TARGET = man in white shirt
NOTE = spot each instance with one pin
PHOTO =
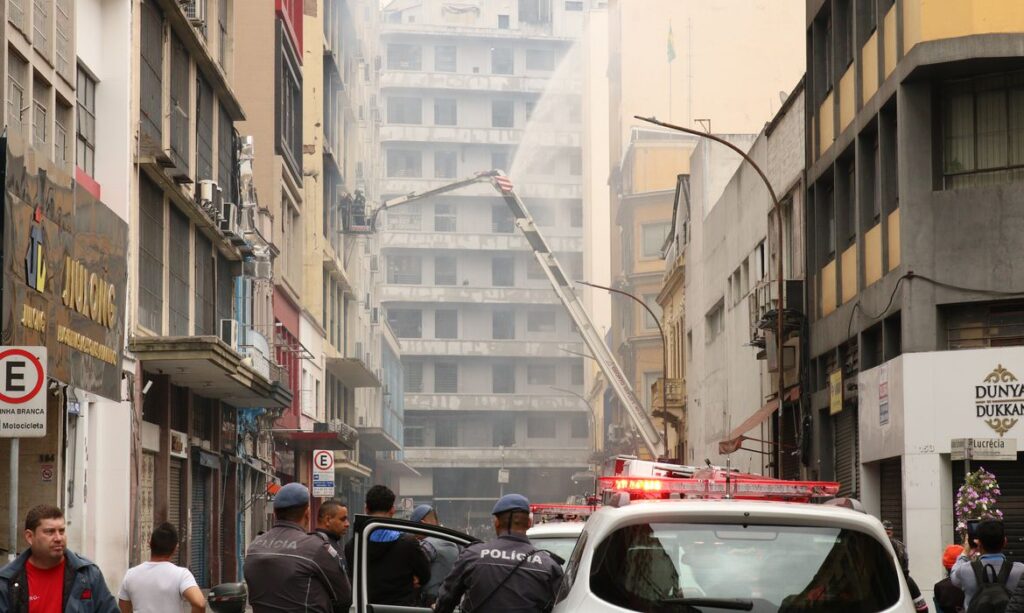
(160, 586)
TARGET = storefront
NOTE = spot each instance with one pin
(911, 409)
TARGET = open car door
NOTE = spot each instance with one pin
(364, 526)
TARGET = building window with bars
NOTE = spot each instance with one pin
(541, 374)
(503, 272)
(151, 44)
(502, 60)
(180, 105)
(61, 134)
(151, 256)
(540, 321)
(404, 57)
(17, 75)
(204, 130)
(444, 218)
(445, 112)
(41, 116)
(503, 379)
(446, 324)
(446, 378)
(503, 325)
(407, 323)
(405, 270)
(412, 376)
(404, 110)
(178, 274)
(404, 163)
(445, 57)
(445, 270)
(503, 114)
(446, 165)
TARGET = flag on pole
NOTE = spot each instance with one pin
(671, 45)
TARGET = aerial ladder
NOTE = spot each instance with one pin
(562, 285)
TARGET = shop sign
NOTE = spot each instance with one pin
(988, 449)
(999, 400)
(323, 473)
(835, 391)
(64, 283)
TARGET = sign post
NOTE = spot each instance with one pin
(323, 473)
(22, 413)
(987, 449)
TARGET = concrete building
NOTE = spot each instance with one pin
(486, 347)
(912, 188)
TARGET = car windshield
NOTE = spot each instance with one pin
(561, 546)
(665, 566)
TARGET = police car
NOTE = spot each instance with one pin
(557, 527)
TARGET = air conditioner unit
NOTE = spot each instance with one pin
(207, 189)
(195, 11)
(229, 332)
(229, 219)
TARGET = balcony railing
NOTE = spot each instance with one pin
(517, 348)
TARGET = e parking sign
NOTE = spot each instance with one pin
(22, 392)
(323, 473)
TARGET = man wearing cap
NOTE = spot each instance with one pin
(506, 573)
(287, 569)
(441, 553)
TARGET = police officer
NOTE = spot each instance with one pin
(287, 569)
(506, 573)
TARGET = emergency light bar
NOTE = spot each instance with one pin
(744, 488)
(561, 509)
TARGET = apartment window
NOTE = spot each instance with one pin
(446, 378)
(404, 57)
(180, 103)
(499, 161)
(205, 287)
(503, 272)
(226, 155)
(445, 219)
(503, 325)
(445, 57)
(445, 112)
(178, 273)
(446, 433)
(503, 22)
(650, 378)
(503, 431)
(225, 287)
(502, 60)
(576, 374)
(446, 323)
(204, 130)
(86, 142)
(41, 116)
(445, 270)
(540, 426)
(151, 257)
(503, 378)
(405, 163)
(653, 238)
(501, 220)
(576, 162)
(983, 130)
(405, 270)
(407, 323)
(844, 36)
(289, 130)
(714, 323)
(222, 30)
(42, 21)
(579, 426)
(502, 114)
(540, 321)
(446, 166)
(61, 135)
(17, 78)
(651, 301)
(828, 220)
(405, 110)
(540, 59)
(761, 261)
(867, 19)
(151, 43)
(576, 215)
(412, 377)
(413, 435)
(540, 374)
(535, 11)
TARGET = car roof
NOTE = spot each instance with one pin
(556, 529)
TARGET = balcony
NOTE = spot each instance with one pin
(506, 349)
(491, 402)
(523, 32)
(479, 242)
(466, 294)
(335, 435)
(456, 457)
(570, 188)
(476, 136)
(465, 82)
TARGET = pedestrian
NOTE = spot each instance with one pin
(395, 562)
(920, 604)
(948, 597)
(441, 554)
(288, 570)
(979, 569)
(506, 573)
(332, 523)
(50, 578)
(159, 586)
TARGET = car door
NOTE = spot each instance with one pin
(364, 526)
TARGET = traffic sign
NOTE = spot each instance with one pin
(323, 473)
(22, 392)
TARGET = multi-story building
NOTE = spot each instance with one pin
(913, 192)
(486, 347)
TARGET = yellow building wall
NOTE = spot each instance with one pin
(926, 20)
(826, 127)
(889, 44)
(828, 288)
(850, 274)
(655, 168)
(869, 68)
(873, 255)
(894, 239)
(847, 99)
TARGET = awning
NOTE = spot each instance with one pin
(736, 437)
(352, 372)
(378, 439)
(308, 441)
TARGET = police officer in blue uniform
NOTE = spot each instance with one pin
(505, 574)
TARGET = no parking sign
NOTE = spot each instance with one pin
(22, 392)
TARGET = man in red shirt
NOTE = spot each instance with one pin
(49, 578)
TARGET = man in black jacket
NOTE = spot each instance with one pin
(332, 524)
(396, 565)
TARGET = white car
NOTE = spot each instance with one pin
(557, 537)
(732, 555)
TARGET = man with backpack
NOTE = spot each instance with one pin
(983, 572)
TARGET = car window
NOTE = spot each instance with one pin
(561, 546)
(650, 566)
(572, 566)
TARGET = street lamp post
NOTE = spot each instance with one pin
(664, 354)
(777, 208)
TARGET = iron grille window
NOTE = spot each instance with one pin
(65, 31)
(225, 288)
(413, 436)
(538, 426)
(179, 103)
(404, 57)
(502, 60)
(407, 323)
(446, 323)
(405, 163)
(445, 270)
(405, 110)
(503, 272)
(226, 156)
(42, 21)
(503, 325)
(445, 57)
(412, 373)
(446, 166)
(444, 218)
(446, 378)
(61, 137)
(445, 112)
(446, 433)
(405, 270)
(503, 114)
(41, 116)
(204, 130)
(503, 378)
(540, 321)
(205, 288)
(177, 267)
(151, 256)
(151, 43)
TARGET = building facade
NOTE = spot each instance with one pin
(911, 177)
(487, 350)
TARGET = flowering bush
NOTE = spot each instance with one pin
(976, 499)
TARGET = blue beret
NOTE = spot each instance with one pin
(420, 512)
(291, 495)
(511, 502)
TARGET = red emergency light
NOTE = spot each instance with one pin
(718, 487)
(561, 509)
